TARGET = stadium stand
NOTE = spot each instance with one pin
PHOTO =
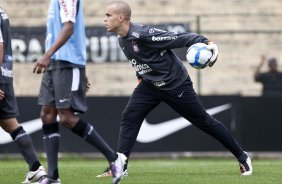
(243, 31)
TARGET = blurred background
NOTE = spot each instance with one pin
(244, 30)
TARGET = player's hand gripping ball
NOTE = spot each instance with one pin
(200, 55)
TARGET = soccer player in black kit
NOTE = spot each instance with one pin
(163, 77)
(9, 108)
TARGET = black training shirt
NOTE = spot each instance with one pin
(148, 49)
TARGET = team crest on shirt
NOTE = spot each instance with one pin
(135, 47)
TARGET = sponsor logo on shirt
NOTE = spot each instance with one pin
(6, 72)
(140, 68)
(163, 38)
(159, 83)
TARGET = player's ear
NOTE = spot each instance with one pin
(121, 17)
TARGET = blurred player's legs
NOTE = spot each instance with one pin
(51, 95)
(9, 123)
(25, 145)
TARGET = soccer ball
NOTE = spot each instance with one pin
(198, 56)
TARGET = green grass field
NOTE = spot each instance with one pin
(155, 171)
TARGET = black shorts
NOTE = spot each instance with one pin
(64, 88)
(8, 105)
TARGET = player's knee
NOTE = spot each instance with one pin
(9, 125)
(67, 121)
(48, 115)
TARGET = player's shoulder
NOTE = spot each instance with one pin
(139, 30)
(140, 27)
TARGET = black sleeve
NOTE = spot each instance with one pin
(160, 39)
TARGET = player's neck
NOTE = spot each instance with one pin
(124, 29)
